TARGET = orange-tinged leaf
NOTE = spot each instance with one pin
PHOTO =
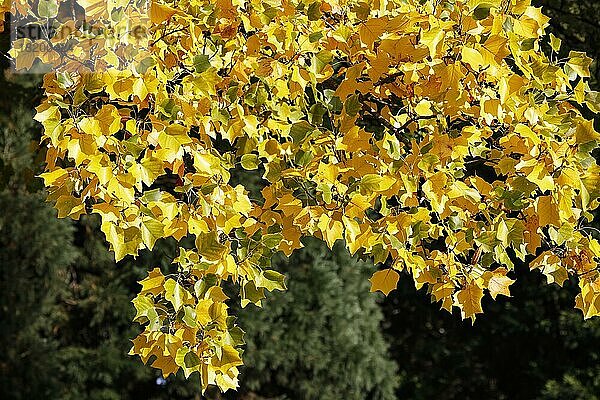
(385, 281)
(371, 30)
(166, 364)
(159, 13)
(469, 301)
(547, 211)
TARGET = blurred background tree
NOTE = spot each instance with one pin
(65, 307)
(320, 339)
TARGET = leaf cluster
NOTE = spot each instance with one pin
(434, 137)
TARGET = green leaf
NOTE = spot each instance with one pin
(201, 63)
(201, 286)
(333, 102)
(272, 280)
(209, 247)
(562, 235)
(482, 11)
(322, 59)
(175, 293)
(299, 130)
(189, 317)
(250, 161)
(142, 304)
(316, 113)
(237, 336)
(370, 182)
(142, 66)
(272, 240)
(47, 8)
(191, 360)
(529, 44)
(352, 105)
(487, 241)
(251, 294)
(592, 100)
(314, 11)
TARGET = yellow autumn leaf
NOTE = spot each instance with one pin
(472, 57)
(497, 282)
(423, 109)
(433, 39)
(331, 229)
(385, 281)
(159, 13)
(153, 283)
(547, 211)
(468, 300)
(371, 30)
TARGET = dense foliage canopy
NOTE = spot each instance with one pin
(66, 311)
(434, 137)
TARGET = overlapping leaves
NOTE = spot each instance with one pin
(433, 136)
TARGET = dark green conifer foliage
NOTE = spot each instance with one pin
(34, 250)
(321, 338)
